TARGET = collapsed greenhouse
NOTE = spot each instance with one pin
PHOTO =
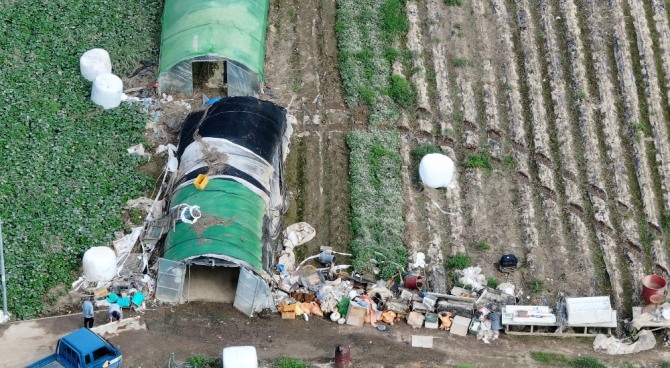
(226, 201)
(216, 44)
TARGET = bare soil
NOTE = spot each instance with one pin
(206, 328)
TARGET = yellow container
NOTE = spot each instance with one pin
(201, 181)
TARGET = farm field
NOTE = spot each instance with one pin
(555, 113)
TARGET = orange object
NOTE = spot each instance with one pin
(446, 320)
(201, 181)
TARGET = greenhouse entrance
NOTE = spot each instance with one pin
(209, 78)
(208, 283)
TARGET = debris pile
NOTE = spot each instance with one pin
(349, 298)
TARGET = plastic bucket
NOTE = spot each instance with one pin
(342, 357)
(414, 282)
(652, 285)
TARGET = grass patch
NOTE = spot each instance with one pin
(483, 246)
(289, 363)
(453, 2)
(66, 174)
(460, 63)
(377, 224)
(401, 91)
(458, 261)
(492, 282)
(537, 286)
(552, 358)
(201, 361)
(482, 161)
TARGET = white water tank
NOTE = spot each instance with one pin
(107, 91)
(240, 357)
(99, 264)
(437, 170)
(93, 63)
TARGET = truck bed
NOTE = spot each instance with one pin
(48, 362)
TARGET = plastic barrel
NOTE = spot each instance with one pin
(414, 282)
(652, 285)
(342, 357)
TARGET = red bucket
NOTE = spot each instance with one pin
(652, 285)
(414, 282)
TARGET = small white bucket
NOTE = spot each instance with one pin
(93, 63)
(107, 91)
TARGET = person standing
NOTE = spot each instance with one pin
(88, 312)
(115, 313)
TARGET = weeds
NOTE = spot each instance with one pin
(290, 363)
(537, 286)
(453, 2)
(483, 246)
(508, 161)
(552, 358)
(458, 117)
(665, 221)
(481, 161)
(459, 261)
(201, 361)
(492, 282)
(401, 91)
(460, 63)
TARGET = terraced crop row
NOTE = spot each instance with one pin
(545, 86)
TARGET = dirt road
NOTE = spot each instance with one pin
(206, 328)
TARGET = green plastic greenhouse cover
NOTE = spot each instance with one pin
(233, 29)
(231, 224)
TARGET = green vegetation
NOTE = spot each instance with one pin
(492, 282)
(66, 173)
(377, 224)
(201, 361)
(401, 91)
(537, 285)
(458, 261)
(560, 360)
(290, 363)
(460, 62)
(453, 2)
(508, 160)
(483, 246)
(551, 358)
(482, 161)
(664, 365)
(368, 33)
(665, 221)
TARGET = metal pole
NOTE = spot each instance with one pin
(2, 276)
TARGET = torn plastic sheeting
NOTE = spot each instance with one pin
(473, 276)
(125, 245)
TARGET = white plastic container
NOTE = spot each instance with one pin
(99, 264)
(107, 91)
(240, 357)
(93, 63)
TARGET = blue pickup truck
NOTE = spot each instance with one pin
(82, 349)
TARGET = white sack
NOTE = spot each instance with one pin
(437, 171)
(93, 63)
(99, 264)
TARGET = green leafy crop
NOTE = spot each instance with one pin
(65, 169)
